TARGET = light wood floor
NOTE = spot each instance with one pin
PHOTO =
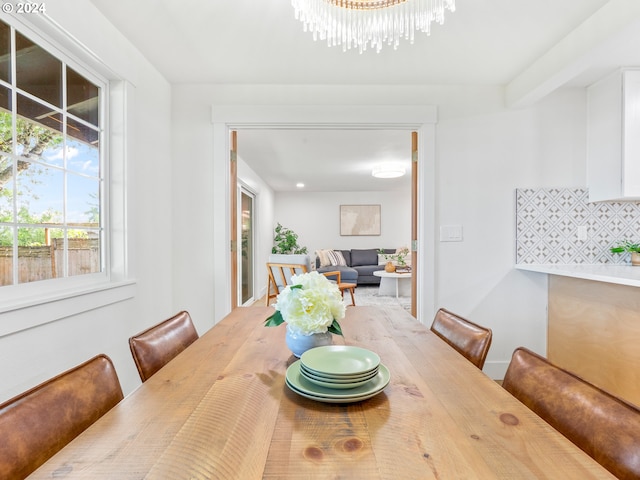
(259, 302)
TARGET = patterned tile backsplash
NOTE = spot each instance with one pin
(547, 221)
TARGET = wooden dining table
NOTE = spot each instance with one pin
(221, 409)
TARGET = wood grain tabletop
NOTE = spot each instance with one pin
(221, 410)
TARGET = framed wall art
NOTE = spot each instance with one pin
(359, 220)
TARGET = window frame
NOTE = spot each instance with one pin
(29, 304)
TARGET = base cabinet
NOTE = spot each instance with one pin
(594, 331)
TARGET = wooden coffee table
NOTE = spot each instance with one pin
(391, 282)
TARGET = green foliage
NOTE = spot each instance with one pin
(626, 246)
(93, 214)
(274, 320)
(399, 256)
(28, 237)
(286, 241)
(335, 328)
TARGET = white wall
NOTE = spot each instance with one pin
(484, 151)
(481, 160)
(315, 217)
(31, 356)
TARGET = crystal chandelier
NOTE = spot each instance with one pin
(360, 23)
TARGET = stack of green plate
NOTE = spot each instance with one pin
(338, 374)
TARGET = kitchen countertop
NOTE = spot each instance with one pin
(618, 274)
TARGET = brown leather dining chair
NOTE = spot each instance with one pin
(470, 340)
(42, 420)
(153, 348)
(604, 426)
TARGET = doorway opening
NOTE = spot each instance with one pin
(317, 173)
(420, 118)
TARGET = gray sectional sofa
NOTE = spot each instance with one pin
(361, 263)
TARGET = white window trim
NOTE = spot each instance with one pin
(28, 305)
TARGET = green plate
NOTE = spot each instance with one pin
(332, 400)
(335, 360)
(304, 387)
(350, 380)
(335, 378)
(334, 385)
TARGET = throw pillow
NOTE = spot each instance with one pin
(336, 258)
(324, 258)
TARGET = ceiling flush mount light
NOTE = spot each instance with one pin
(388, 170)
(360, 23)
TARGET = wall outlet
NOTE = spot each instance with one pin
(582, 232)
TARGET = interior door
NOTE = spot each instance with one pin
(414, 222)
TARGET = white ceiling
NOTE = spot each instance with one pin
(530, 47)
(326, 160)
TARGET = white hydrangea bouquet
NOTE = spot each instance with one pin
(311, 304)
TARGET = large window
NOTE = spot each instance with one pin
(51, 179)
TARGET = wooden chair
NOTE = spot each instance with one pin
(42, 420)
(604, 426)
(337, 277)
(153, 348)
(469, 339)
(280, 276)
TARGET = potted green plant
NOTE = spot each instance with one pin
(630, 247)
(399, 257)
(285, 241)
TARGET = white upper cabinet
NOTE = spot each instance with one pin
(613, 137)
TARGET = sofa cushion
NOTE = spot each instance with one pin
(347, 274)
(336, 258)
(367, 270)
(364, 257)
(347, 256)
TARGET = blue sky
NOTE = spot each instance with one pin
(48, 185)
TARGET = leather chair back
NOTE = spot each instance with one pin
(39, 422)
(153, 348)
(469, 339)
(604, 426)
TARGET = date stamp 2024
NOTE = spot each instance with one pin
(23, 7)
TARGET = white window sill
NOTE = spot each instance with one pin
(30, 312)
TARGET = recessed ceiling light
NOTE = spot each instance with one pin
(388, 170)
(300, 185)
